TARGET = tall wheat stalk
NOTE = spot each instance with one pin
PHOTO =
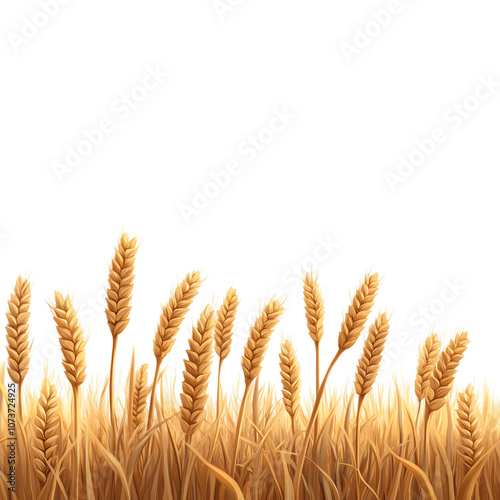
(171, 318)
(315, 312)
(18, 345)
(350, 330)
(119, 297)
(290, 380)
(251, 361)
(367, 370)
(441, 382)
(223, 335)
(470, 431)
(73, 351)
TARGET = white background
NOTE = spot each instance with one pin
(358, 102)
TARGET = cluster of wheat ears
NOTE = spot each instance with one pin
(432, 443)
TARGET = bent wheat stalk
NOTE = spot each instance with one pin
(223, 335)
(290, 380)
(252, 359)
(119, 296)
(171, 318)
(367, 370)
(45, 432)
(73, 351)
(18, 345)
(441, 382)
(350, 330)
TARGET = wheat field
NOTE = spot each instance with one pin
(79, 439)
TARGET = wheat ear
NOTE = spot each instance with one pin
(119, 295)
(290, 379)
(471, 438)
(427, 359)
(171, 318)
(223, 334)
(368, 368)
(45, 430)
(442, 380)
(18, 345)
(73, 350)
(253, 355)
(139, 403)
(197, 373)
(350, 330)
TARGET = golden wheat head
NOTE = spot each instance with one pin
(471, 438)
(223, 332)
(358, 312)
(427, 360)
(139, 403)
(443, 374)
(290, 378)
(18, 346)
(259, 337)
(369, 362)
(121, 283)
(45, 432)
(70, 338)
(197, 372)
(173, 314)
(314, 305)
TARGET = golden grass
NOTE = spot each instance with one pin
(196, 449)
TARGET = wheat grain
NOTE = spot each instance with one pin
(290, 379)
(427, 359)
(18, 346)
(139, 403)
(223, 331)
(259, 337)
(197, 373)
(70, 338)
(369, 362)
(45, 432)
(314, 306)
(470, 431)
(358, 312)
(121, 282)
(443, 374)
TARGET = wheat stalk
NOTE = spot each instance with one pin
(290, 380)
(119, 295)
(368, 368)
(253, 355)
(441, 382)
(73, 350)
(223, 334)
(350, 330)
(471, 438)
(18, 345)
(427, 359)
(171, 318)
(197, 373)
(45, 432)
(140, 397)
